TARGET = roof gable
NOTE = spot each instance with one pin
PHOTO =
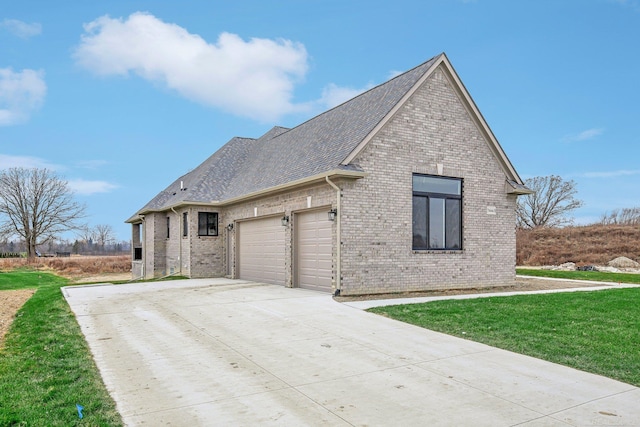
(442, 62)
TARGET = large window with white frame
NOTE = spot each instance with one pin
(437, 213)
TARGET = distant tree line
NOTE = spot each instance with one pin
(17, 248)
(626, 216)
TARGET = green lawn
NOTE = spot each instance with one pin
(596, 331)
(598, 276)
(45, 366)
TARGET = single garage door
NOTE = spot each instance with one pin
(314, 244)
(261, 250)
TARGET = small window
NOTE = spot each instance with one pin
(137, 254)
(207, 223)
(168, 227)
(137, 234)
(185, 224)
(437, 213)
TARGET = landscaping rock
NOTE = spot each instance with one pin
(623, 262)
(569, 266)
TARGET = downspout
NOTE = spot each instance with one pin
(339, 237)
(179, 241)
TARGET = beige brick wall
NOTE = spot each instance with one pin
(433, 127)
(177, 247)
(206, 257)
(153, 251)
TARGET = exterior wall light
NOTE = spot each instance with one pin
(285, 221)
(332, 214)
(230, 227)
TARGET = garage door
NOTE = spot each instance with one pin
(314, 243)
(261, 251)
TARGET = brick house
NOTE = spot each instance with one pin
(401, 188)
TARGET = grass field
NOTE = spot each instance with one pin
(598, 332)
(598, 276)
(45, 366)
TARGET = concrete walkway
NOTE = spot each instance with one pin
(225, 352)
(600, 286)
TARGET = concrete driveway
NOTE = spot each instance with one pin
(227, 352)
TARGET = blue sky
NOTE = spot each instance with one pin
(123, 97)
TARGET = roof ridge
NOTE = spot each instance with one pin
(363, 93)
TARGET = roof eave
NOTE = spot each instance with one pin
(138, 217)
(512, 187)
(321, 177)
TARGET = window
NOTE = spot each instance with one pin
(185, 224)
(137, 234)
(137, 254)
(168, 227)
(437, 213)
(207, 223)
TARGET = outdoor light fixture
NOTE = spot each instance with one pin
(332, 214)
(230, 227)
(285, 221)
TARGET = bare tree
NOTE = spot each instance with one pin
(87, 237)
(625, 216)
(103, 235)
(553, 199)
(36, 205)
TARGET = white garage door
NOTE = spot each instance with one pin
(314, 243)
(261, 251)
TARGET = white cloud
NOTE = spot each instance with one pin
(7, 161)
(611, 174)
(21, 29)
(333, 95)
(91, 164)
(21, 93)
(394, 73)
(584, 135)
(84, 187)
(253, 78)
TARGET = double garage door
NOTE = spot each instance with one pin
(262, 256)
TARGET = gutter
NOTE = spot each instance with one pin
(338, 237)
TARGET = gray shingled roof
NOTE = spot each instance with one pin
(243, 165)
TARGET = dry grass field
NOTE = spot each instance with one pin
(77, 268)
(584, 245)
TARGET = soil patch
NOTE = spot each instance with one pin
(528, 284)
(99, 278)
(10, 303)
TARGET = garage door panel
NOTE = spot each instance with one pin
(261, 253)
(314, 247)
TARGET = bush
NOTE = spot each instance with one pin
(10, 255)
